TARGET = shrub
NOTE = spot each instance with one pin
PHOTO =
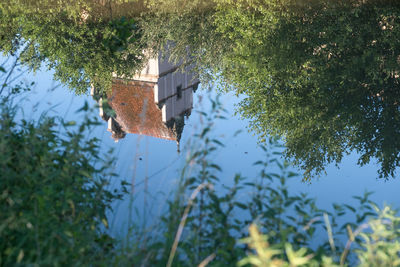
(53, 199)
(380, 246)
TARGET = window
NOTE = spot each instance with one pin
(179, 91)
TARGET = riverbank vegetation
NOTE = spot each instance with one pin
(322, 76)
(53, 197)
(55, 203)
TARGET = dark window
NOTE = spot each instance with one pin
(179, 91)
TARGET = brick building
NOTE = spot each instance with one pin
(154, 102)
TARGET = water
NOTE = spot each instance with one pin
(152, 164)
(323, 85)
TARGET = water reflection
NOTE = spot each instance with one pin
(326, 88)
(153, 102)
(323, 76)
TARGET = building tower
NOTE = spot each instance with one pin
(153, 102)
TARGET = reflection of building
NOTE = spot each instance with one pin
(152, 103)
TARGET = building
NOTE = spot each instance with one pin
(153, 102)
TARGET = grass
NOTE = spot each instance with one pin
(55, 196)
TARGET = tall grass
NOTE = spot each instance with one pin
(54, 203)
(209, 225)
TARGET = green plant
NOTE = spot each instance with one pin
(81, 52)
(205, 217)
(380, 246)
(320, 75)
(53, 197)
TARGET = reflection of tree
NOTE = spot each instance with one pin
(325, 77)
(80, 50)
(97, 9)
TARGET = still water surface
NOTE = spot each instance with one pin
(324, 76)
(152, 164)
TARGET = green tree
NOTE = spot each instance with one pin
(322, 75)
(82, 51)
(188, 34)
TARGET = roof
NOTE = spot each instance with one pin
(136, 112)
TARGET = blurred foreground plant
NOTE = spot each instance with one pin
(380, 246)
(54, 202)
(218, 216)
(53, 198)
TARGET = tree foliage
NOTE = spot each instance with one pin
(188, 35)
(323, 75)
(81, 51)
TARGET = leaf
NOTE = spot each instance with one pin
(350, 207)
(204, 132)
(202, 113)
(215, 166)
(218, 142)
(105, 222)
(20, 256)
(241, 205)
(70, 123)
(84, 108)
(237, 133)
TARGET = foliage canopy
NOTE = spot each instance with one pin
(322, 75)
(81, 51)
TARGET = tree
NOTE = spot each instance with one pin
(81, 51)
(322, 75)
